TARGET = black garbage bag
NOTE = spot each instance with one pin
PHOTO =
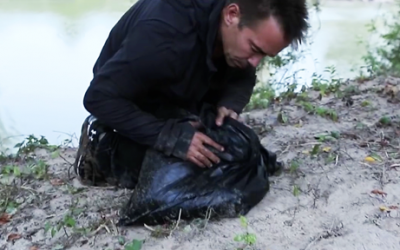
(169, 187)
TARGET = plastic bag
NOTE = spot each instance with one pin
(169, 188)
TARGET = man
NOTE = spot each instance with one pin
(165, 55)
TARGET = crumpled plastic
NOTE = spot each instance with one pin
(170, 188)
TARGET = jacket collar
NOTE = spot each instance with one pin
(207, 16)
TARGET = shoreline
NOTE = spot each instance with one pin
(339, 147)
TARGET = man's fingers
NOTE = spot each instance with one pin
(199, 154)
(222, 113)
(212, 143)
(197, 162)
(200, 159)
(203, 159)
(233, 115)
(220, 118)
(210, 155)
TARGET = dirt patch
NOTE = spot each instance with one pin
(340, 188)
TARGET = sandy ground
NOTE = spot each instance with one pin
(340, 189)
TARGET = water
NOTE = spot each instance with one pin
(48, 49)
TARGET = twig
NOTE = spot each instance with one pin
(62, 157)
(312, 242)
(99, 228)
(309, 143)
(208, 216)
(394, 166)
(383, 177)
(177, 223)
(329, 233)
(33, 191)
(390, 145)
(365, 164)
(115, 227)
(149, 228)
(107, 229)
(347, 154)
(65, 231)
(70, 166)
(286, 149)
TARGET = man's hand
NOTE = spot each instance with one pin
(224, 112)
(199, 154)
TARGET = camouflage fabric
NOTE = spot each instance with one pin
(106, 158)
(86, 164)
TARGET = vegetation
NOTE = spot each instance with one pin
(384, 59)
(25, 167)
(380, 60)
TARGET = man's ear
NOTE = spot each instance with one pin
(231, 14)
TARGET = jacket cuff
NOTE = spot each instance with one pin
(175, 138)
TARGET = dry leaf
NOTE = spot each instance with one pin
(326, 149)
(4, 218)
(369, 159)
(57, 182)
(391, 90)
(383, 208)
(380, 192)
(13, 236)
(33, 248)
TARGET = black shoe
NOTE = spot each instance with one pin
(90, 164)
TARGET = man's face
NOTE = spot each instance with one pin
(248, 45)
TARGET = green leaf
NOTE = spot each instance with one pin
(243, 221)
(296, 190)
(121, 240)
(58, 247)
(47, 227)
(53, 232)
(238, 238)
(135, 245)
(315, 149)
(251, 239)
(335, 134)
(69, 221)
(11, 207)
(376, 157)
(17, 171)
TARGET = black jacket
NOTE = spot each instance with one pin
(158, 54)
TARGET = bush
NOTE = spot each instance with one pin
(384, 59)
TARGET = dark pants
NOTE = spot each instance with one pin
(106, 157)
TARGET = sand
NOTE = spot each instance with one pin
(343, 195)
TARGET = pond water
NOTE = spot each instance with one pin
(48, 49)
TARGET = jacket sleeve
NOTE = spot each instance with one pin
(238, 89)
(147, 60)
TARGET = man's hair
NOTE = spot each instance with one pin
(292, 15)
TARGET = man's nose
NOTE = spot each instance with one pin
(255, 60)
